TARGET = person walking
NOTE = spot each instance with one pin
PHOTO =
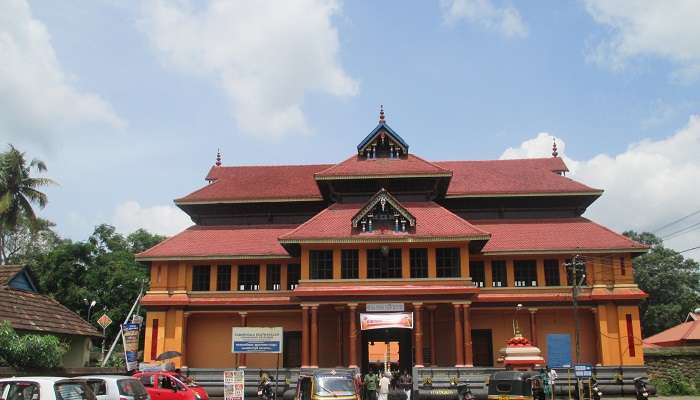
(384, 384)
(371, 383)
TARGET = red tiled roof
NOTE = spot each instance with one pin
(29, 311)
(410, 165)
(221, 242)
(248, 183)
(432, 221)
(564, 234)
(533, 175)
(676, 335)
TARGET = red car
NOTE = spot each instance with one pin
(168, 385)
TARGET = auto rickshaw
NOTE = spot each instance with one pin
(326, 384)
(512, 385)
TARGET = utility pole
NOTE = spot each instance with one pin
(575, 288)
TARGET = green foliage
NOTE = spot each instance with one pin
(101, 268)
(672, 282)
(18, 191)
(30, 351)
(676, 386)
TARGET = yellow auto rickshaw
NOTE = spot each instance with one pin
(326, 384)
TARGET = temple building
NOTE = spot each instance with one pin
(434, 260)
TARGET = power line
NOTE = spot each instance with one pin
(692, 248)
(676, 221)
(682, 231)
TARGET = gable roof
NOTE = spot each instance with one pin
(357, 167)
(258, 183)
(29, 311)
(7, 272)
(17, 277)
(382, 126)
(387, 197)
(221, 242)
(511, 177)
(521, 236)
(433, 223)
(676, 335)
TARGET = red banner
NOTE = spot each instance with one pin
(386, 320)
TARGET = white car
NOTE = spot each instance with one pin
(44, 388)
(116, 387)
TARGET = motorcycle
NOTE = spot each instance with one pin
(265, 390)
(596, 393)
(640, 388)
(464, 393)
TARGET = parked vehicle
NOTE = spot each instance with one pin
(464, 392)
(596, 393)
(507, 385)
(44, 388)
(166, 386)
(116, 387)
(640, 388)
(324, 384)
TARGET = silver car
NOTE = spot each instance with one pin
(44, 388)
(116, 387)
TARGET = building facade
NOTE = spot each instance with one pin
(464, 247)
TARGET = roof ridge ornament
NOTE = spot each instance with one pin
(381, 114)
(218, 158)
(554, 147)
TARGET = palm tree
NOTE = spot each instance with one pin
(18, 191)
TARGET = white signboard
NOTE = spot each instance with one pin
(385, 307)
(234, 385)
(257, 340)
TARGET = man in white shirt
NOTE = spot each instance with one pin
(552, 380)
(383, 393)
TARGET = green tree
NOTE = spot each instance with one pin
(27, 239)
(672, 282)
(102, 268)
(30, 350)
(18, 191)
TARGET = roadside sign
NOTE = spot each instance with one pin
(104, 321)
(137, 319)
(234, 385)
(257, 340)
(130, 336)
(583, 370)
(386, 320)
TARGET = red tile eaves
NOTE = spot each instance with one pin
(357, 166)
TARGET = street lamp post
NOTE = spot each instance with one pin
(90, 305)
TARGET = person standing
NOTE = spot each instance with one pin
(384, 384)
(552, 380)
(371, 385)
(406, 383)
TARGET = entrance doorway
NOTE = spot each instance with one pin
(400, 348)
(482, 347)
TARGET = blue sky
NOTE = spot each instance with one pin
(127, 102)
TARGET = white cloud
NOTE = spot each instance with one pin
(164, 220)
(505, 20)
(266, 55)
(36, 95)
(651, 183)
(667, 29)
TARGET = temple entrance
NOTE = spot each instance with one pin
(387, 346)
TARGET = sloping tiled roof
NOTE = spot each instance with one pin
(575, 234)
(410, 165)
(211, 242)
(30, 311)
(676, 335)
(525, 176)
(248, 183)
(7, 272)
(432, 221)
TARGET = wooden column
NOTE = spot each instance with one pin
(459, 344)
(431, 314)
(468, 359)
(339, 335)
(533, 326)
(418, 332)
(314, 336)
(244, 322)
(353, 335)
(598, 358)
(304, 336)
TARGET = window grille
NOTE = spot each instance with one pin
(498, 273)
(223, 278)
(525, 272)
(419, 263)
(383, 266)
(293, 276)
(447, 262)
(272, 280)
(200, 278)
(476, 271)
(551, 273)
(349, 264)
(248, 278)
(321, 263)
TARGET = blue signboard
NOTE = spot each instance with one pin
(130, 336)
(583, 370)
(558, 350)
(256, 347)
